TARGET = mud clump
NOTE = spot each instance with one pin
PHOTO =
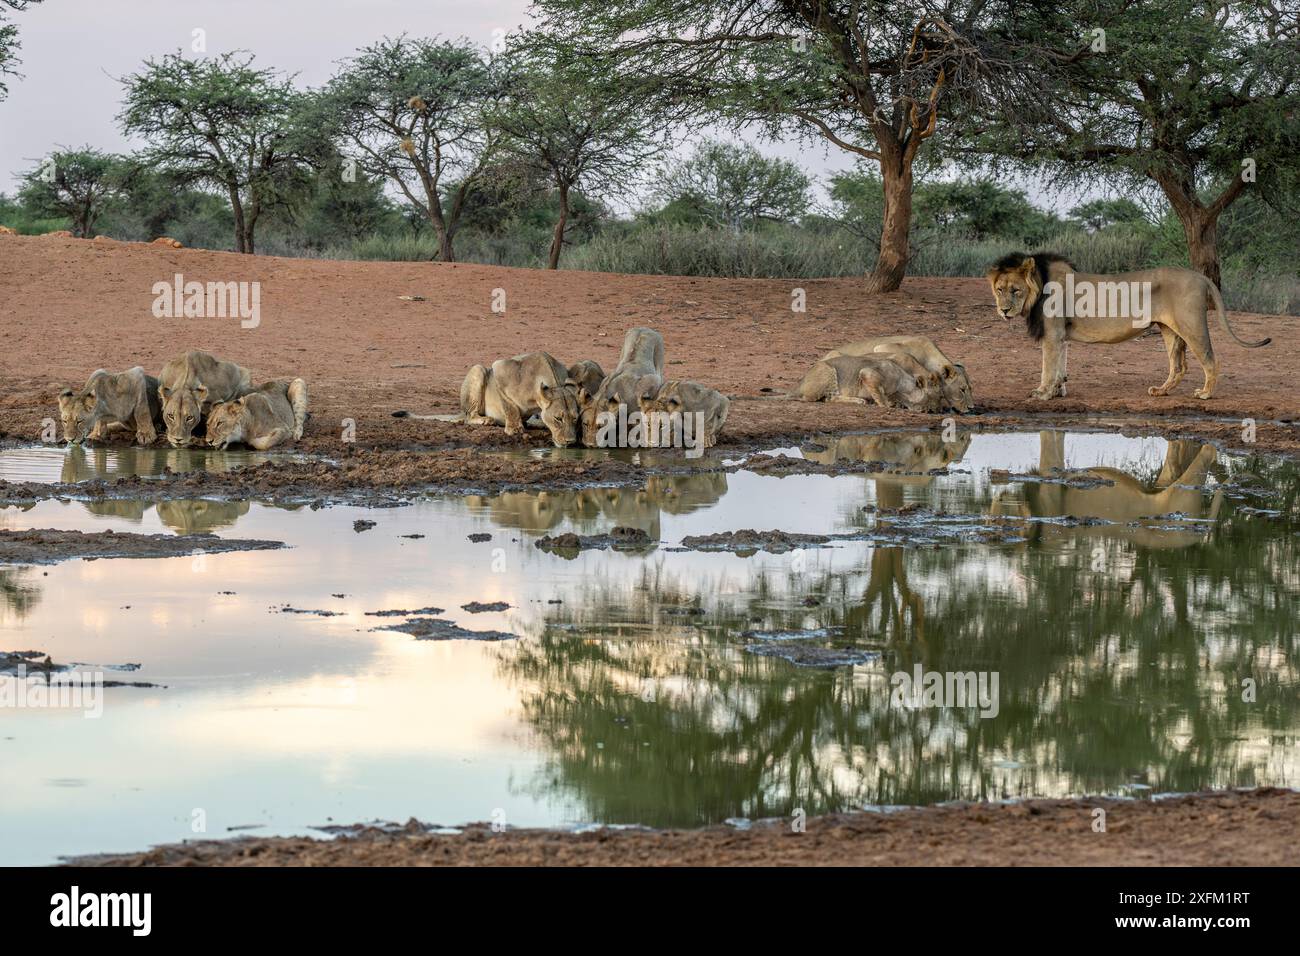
(37, 664)
(479, 537)
(805, 655)
(478, 607)
(781, 465)
(47, 546)
(440, 629)
(32, 662)
(402, 613)
(621, 538)
(1000, 476)
(749, 541)
(804, 634)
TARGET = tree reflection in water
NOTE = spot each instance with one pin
(1121, 651)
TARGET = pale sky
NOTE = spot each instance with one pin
(73, 52)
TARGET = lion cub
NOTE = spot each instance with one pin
(686, 399)
(268, 416)
(863, 378)
(128, 398)
(515, 388)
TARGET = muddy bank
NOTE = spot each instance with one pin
(1234, 828)
(378, 477)
(46, 546)
(358, 476)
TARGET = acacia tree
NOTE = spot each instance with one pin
(1198, 98)
(416, 112)
(222, 123)
(9, 41)
(579, 136)
(738, 185)
(870, 76)
(78, 184)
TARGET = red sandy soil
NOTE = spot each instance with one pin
(1241, 828)
(69, 306)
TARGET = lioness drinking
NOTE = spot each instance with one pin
(190, 385)
(670, 407)
(272, 414)
(640, 372)
(515, 388)
(128, 398)
(1061, 305)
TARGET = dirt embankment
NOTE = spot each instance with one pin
(68, 307)
(1239, 828)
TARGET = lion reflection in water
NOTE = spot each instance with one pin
(1177, 489)
(591, 509)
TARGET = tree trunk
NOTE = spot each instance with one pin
(1203, 247)
(891, 265)
(1200, 224)
(238, 208)
(445, 251)
(557, 240)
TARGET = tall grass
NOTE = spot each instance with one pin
(792, 252)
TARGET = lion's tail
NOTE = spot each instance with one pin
(297, 392)
(1223, 318)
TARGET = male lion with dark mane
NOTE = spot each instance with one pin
(1061, 305)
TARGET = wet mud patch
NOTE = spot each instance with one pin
(30, 662)
(440, 629)
(1069, 479)
(47, 546)
(900, 529)
(38, 665)
(620, 538)
(812, 655)
(398, 612)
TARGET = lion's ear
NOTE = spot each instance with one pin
(66, 393)
(1029, 267)
(949, 371)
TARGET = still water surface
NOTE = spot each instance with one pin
(631, 695)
